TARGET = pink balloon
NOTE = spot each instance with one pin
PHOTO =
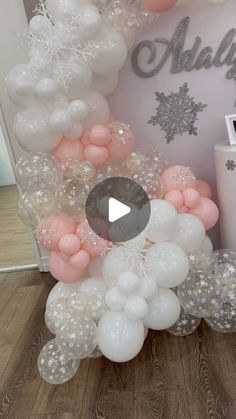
(68, 148)
(80, 260)
(178, 177)
(204, 189)
(97, 155)
(158, 6)
(50, 230)
(207, 211)
(175, 198)
(191, 197)
(63, 271)
(85, 138)
(100, 135)
(69, 244)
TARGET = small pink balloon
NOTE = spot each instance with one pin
(183, 210)
(68, 148)
(207, 211)
(80, 260)
(98, 155)
(63, 271)
(69, 244)
(50, 230)
(158, 6)
(100, 135)
(122, 141)
(175, 198)
(204, 189)
(178, 177)
(85, 138)
(191, 198)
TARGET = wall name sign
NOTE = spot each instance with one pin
(182, 59)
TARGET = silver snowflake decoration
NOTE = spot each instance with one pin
(57, 44)
(230, 165)
(177, 113)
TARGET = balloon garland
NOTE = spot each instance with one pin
(107, 295)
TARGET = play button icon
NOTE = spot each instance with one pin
(118, 209)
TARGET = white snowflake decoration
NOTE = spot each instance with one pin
(57, 44)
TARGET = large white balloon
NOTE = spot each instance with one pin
(207, 245)
(119, 338)
(163, 310)
(21, 85)
(64, 9)
(168, 264)
(162, 221)
(93, 286)
(189, 233)
(99, 111)
(33, 132)
(90, 22)
(105, 84)
(111, 52)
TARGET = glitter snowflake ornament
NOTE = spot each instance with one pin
(177, 113)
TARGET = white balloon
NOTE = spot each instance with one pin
(90, 22)
(80, 78)
(78, 110)
(74, 132)
(168, 264)
(111, 52)
(64, 9)
(118, 338)
(47, 89)
(21, 85)
(99, 111)
(163, 310)
(60, 121)
(189, 233)
(207, 245)
(33, 132)
(128, 283)
(115, 300)
(117, 261)
(62, 290)
(136, 308)
(105, 84)
(93, 286)
(148, 287)
(95, 266)
(162, 221)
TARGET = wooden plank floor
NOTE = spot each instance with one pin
(16, 246)
(172, 378)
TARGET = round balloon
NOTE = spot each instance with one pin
(163, 310)
(119, 338)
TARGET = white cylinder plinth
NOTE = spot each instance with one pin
(225, 161)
